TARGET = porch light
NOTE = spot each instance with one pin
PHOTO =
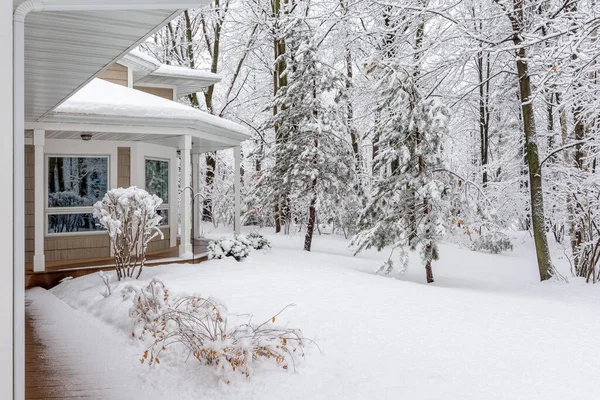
(86, 137)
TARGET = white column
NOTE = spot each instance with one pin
(173, 203)
(39, 259)
(6, 215)
(237, 162)
(185, 208)
(198, 203)
(18, 195)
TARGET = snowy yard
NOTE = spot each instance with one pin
(487, 329)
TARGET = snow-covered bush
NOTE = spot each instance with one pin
(200, 327)
(256, 241)
(149, 303)
(130, 218)
(494, 242)
(222, 248)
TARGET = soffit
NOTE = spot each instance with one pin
(66, 49)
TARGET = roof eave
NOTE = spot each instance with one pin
(175, 126)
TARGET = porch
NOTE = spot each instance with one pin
(86, 147)
(55, 271)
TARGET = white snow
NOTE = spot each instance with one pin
(487, 329)
(100, 97)
(146, 57)
(183, 72)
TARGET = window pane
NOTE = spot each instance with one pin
(165, 217)
(65, 223)
(76, 181)
(157, 179)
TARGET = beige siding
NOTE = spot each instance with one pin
(124, 167)
(160, 244)
(75, 247)
(165, 93)
(29, 203)
(116, 73)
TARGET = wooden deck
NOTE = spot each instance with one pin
(58, 270)
(44, 379)
(70, 355)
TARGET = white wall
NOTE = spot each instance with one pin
(6, 204)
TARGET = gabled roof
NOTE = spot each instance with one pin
(149, 71)
(105, 99)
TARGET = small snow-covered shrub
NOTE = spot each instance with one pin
(256, 241)
(494, 242)
(235, 248)
(149, 304)
(130, 217)
(201, 326)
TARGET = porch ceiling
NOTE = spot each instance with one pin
(66, 49)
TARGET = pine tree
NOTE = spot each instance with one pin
(314, 160)
(405, 210)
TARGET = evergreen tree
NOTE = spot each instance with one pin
(314, 156)
(405, 210)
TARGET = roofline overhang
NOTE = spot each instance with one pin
(214, 78)
(138, 64)
(100, 5)
(138, 125)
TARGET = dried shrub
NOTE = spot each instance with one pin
(201, 326)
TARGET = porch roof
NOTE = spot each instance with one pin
(114, 112)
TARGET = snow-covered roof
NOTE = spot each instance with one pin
(106, 99)
(149, 71)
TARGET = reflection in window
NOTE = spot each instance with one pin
(69, 223)
(164, 213)
(76, 181)
(157, 179)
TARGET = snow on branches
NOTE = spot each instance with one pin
(130, 217)
(405, 209)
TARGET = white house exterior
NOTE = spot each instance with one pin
(115, 133)
(51, 49)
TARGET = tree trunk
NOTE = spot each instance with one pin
(312, 218)
(428, 270)
(533, 161)
(484, 121)
(350, 111)
(567, 162)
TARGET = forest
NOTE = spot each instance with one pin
(399, 124)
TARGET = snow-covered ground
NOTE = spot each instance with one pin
(486, 329)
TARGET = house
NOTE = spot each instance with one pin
(51, 49)
(124, 128)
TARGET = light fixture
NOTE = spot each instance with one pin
(86, 137)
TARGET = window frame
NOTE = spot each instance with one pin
(48, 211)
(164, 206)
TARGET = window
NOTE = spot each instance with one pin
(157, 182)
(66, 223)
(74, 184)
